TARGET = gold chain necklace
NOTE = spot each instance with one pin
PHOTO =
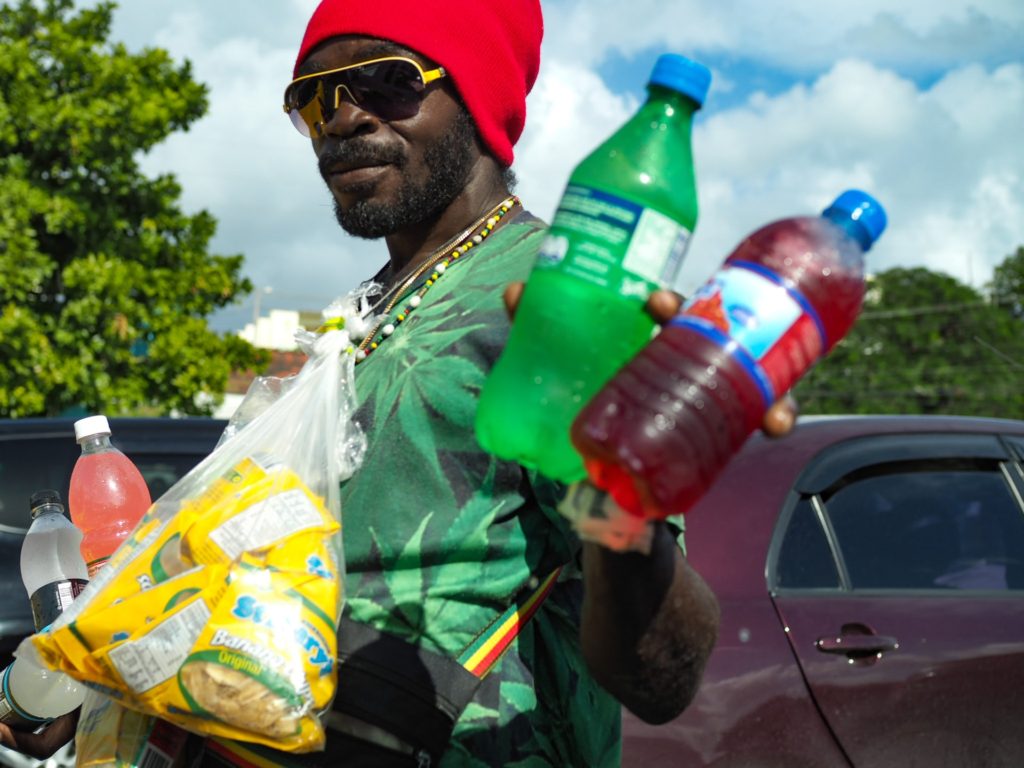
(439, 260)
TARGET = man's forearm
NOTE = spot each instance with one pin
(43, 744)
(649, 624)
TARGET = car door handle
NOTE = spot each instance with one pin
(857, 645)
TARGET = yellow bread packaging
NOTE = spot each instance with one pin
(222, 618)
(265, 660)
(265, 512)
(86, 642)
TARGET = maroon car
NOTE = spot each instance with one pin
(870, 572)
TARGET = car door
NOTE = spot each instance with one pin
(898, 572)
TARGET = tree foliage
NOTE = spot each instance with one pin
(926, 343)
(105, 284)
(1007, 286)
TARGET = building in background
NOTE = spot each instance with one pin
(276, 332)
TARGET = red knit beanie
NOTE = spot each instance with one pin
(491, 50)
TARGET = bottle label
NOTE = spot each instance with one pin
(163, 746)
(10, 713)
(773, 331)
(10, 717)
(50, 600)
(614, 243)
(96, 566)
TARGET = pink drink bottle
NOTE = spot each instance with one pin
(657, 435)
(108, 495)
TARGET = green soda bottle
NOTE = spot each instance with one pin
(620, 232)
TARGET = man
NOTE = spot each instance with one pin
(441, 538)
(413, 108)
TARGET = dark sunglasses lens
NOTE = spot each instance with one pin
(306, 127)
(304, 101)
(301, 93)
(392, 90)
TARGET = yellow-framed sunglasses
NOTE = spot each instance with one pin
(391, 88)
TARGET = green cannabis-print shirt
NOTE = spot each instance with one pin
(440, 536)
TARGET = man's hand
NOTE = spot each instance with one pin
(41, 745)
(649, 620)
(649, 625)
(779, 419)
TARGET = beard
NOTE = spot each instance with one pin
(447, 160)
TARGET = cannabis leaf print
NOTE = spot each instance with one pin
(441, 537)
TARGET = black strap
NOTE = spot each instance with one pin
(406, 689)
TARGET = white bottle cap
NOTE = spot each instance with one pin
(91, 425)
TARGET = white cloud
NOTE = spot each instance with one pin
(246, 164)
(945, 162)
(305, 7)
(944, 159)
(796, 34)
(585, 31)
(569, 112)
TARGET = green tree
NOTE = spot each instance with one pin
(1007, 286)
(105, 284)
(925, 343)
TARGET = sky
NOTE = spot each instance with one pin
(919, 102)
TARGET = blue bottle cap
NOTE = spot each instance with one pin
(861, 209)
(681, 74)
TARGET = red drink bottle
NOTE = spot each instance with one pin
(659, 432)
(108, 495)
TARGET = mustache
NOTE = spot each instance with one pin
(359, 152)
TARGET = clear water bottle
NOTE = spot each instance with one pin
(32, 695)
(108, 495)
(620, 232)
(658, 434)
(54, 572)
(52, 567)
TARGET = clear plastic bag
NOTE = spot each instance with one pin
(112, 736)
(219, 613)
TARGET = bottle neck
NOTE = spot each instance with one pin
(670, 103)
(95, 444)
(57, 509)
(852, 227)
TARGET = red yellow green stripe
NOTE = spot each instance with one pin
(478, 658)
(243, 756)
(485, 651)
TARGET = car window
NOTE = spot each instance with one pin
(1017, 444)
(161, 471)
(944, 526)
(28, 465)
(805, 560)
(31, 464)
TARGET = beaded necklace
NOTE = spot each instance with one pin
(440, 260)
